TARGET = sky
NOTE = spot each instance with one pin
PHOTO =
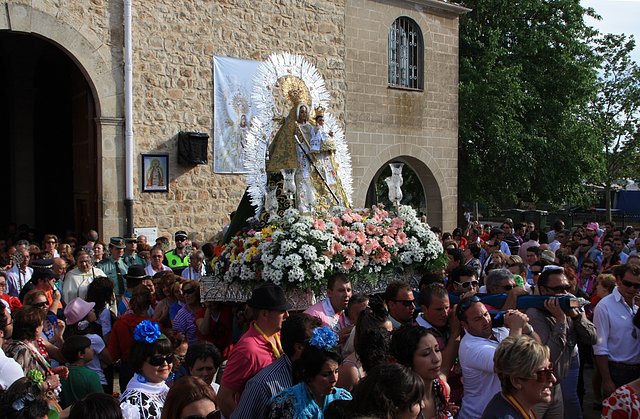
(618, 16)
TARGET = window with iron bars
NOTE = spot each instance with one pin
(406, 55)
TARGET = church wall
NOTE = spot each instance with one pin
(173, 79)
(172, 87)
(384, 123)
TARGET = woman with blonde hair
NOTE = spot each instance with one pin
(526, 376)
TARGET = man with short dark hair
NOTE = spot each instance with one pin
(279, 375)
(561, 331)
(617, 351)
(464, 280)
(258, 347)
(400, 303)
(330, 310)
(477, 349)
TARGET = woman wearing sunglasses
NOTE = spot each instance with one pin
(526, 377)
(151, 360)
(190, 398)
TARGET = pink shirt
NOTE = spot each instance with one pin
(251, 354)
(324, 311)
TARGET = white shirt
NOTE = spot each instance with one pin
(16, 279)
(76, 283)
(613, 319)
(149, 270)
(554, 246)
(190, 273)
(480, 381)
(10, 371)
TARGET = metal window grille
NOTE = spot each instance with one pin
(406, 54)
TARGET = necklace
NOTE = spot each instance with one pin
(277, 347)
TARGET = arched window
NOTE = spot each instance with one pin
(406, 54)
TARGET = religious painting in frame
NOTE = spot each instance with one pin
(155, 173)
(232, 112)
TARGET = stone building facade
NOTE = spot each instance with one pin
(173, 45)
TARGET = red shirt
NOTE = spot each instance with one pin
(221, 329)
(121, 337)
(251, 354)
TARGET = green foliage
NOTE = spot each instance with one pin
(614, 113)
(526, 73)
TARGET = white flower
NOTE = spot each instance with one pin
(308, 252)
(293, 259)
(278, 262)
(296, 274)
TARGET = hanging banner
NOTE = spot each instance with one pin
(232, 111)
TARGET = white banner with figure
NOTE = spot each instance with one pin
(232, 111)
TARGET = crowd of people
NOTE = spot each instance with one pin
(118, 330)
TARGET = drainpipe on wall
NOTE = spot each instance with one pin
(128, 119)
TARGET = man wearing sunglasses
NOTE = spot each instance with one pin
(464, 280)
(477, 349)
(617, 352)
(178, 259)
(502, 281)
(561, 331)
(400, 303)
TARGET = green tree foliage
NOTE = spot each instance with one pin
(614, 113)
(526, 73)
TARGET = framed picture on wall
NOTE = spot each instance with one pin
(155, 173)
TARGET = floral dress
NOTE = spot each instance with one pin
(297, 403)
(623, 404)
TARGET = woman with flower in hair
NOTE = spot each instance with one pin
(151, 359)
(317, 374)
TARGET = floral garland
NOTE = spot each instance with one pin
(302, 251)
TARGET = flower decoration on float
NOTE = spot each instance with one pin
(147, 331)
(324, 338)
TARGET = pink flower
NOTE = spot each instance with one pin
(388, 241)
(389, 231)
(346, 217)
(370, 247)
(397, 222)
(350, 236)
(401, 238)
(337, 221)
(385, 257)
(336, 247)
(371, 229)
(347, 264)
(319, 224)
(361, 238)
(342, 230)
(349, 253)
(356, 217)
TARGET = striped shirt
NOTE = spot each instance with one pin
(259, 390)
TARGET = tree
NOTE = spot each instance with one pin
(526, 73)
(614, 113)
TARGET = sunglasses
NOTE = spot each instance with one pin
(564, 288)
(159, 360)
(465, 304)
(535, 273)
(180, 240)
(544, 375)
(508, 287)
(468, 283)
(406, 303)
(189, 291)
(40, 305)
(588, 267)
(216, 414)
(629, 284)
